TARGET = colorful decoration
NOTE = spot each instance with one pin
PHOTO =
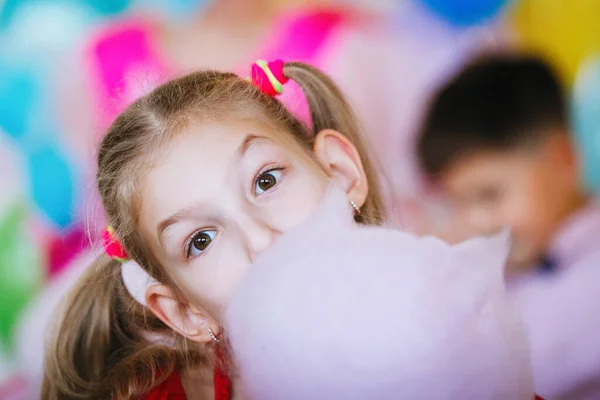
(21, 273)
(13, 174)
(7, 10)
(19, 94)
(586, 120)
(10, 10)
(52, 185)
(44, 31)
(564, 31)
(66, 246)
(463, 13)
(29, 345)
(109, 7)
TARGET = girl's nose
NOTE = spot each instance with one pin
(259, 236)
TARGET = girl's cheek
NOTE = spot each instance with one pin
(212, 283)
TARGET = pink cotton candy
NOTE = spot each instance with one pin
(338, 311)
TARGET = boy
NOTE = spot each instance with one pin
(496, 141)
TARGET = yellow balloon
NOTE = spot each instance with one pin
(564, 31)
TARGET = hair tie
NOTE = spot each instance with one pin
(112, 246)
(135, 278)
(268, 77)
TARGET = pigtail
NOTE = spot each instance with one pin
(329, 110)
(98, 350)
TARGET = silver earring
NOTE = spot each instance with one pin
(355, 207)
(212, 336)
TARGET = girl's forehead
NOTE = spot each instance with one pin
(209, 140)
(205, 151)
(204, 163)
(227, 136)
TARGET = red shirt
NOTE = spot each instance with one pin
(172, 389)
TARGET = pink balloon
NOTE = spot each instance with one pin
(65, 246)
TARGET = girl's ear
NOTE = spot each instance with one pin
(341, 161)
(185, 319)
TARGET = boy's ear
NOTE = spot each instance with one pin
(340, 160)
(564, 154)
(567, 150)
(189, 321)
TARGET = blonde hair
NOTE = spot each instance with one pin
(100, 349)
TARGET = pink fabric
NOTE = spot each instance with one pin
(334, 310)
(560, 310)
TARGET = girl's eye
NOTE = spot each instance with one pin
(200, 242)
(267, 181)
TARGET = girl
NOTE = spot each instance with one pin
(198, 178)
(124, 58)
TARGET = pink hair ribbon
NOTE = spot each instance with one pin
(268, 77)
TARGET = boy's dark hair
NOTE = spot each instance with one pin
(497, 103)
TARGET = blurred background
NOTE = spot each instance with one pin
(68, 67)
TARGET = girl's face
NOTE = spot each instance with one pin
(219, 195)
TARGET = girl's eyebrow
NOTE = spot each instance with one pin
(250, 141)
(168, 222)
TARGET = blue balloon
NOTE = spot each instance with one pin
(7, 10)
(20, 93)
(52, 184)
(43, 33)
(10, 8)
(586, 121)
(109, 7)
(463, 13)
